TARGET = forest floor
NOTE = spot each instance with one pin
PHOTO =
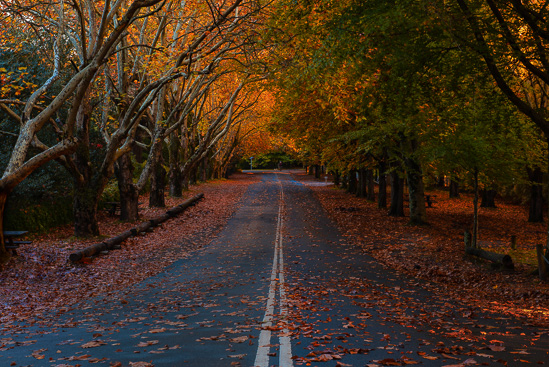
(41, 278)
(434, 254)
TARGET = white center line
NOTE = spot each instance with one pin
(277, 275)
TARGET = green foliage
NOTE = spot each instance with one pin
(111, 192)
(26, 214)
(269, 161)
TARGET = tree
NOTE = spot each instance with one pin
(95, 40)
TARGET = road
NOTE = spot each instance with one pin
(279, 286)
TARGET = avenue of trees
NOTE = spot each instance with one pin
(101, 87)
(418, 91)
(159, 93)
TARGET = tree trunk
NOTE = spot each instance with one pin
(345, 182)
(176, 187)
(129, 195)
(85, 210)
(362, 184)
(454, 189)
(4, 254)
(418, 212)
(396, 208)
(440, 181)
(317, 171)
(488, 198)
(85, 192)
(414, 174)
(205, 169)
(352, 187)
(536, 195)
(158, 185)
(337, 178)
(382, 192)
(475, 210)
(370, 195)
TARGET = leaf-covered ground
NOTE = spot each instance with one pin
(41, 277)
(435, 253)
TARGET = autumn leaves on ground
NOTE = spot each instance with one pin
(41, 278)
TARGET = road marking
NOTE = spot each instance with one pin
(277, 275)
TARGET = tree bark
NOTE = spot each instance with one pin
(418, 212)
(536, 195)
(475, 210)
(158, 184)
(382, 192)
(396, 208)
(129, 194)
(317, 171)
(176, 186)
(414, 174)
(352, 187)
(85, 192)
(361, 184)
(370, 195)
(4, 254)
(337, 178)
(85, 211)
(345, 182)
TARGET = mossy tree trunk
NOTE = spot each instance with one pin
(416, 189)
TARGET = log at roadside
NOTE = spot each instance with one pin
(113, 242)
(504, 260)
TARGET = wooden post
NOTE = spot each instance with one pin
(542, 264)
(513, 242)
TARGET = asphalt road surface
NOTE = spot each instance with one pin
(279, 286)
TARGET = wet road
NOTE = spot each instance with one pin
(278, 287)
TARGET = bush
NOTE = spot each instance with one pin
(24, 214)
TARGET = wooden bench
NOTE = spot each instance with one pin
(15, 245)
(11, 244)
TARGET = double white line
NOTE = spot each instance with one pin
(277, 275)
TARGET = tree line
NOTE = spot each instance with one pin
(102, 86)
(418, 91)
